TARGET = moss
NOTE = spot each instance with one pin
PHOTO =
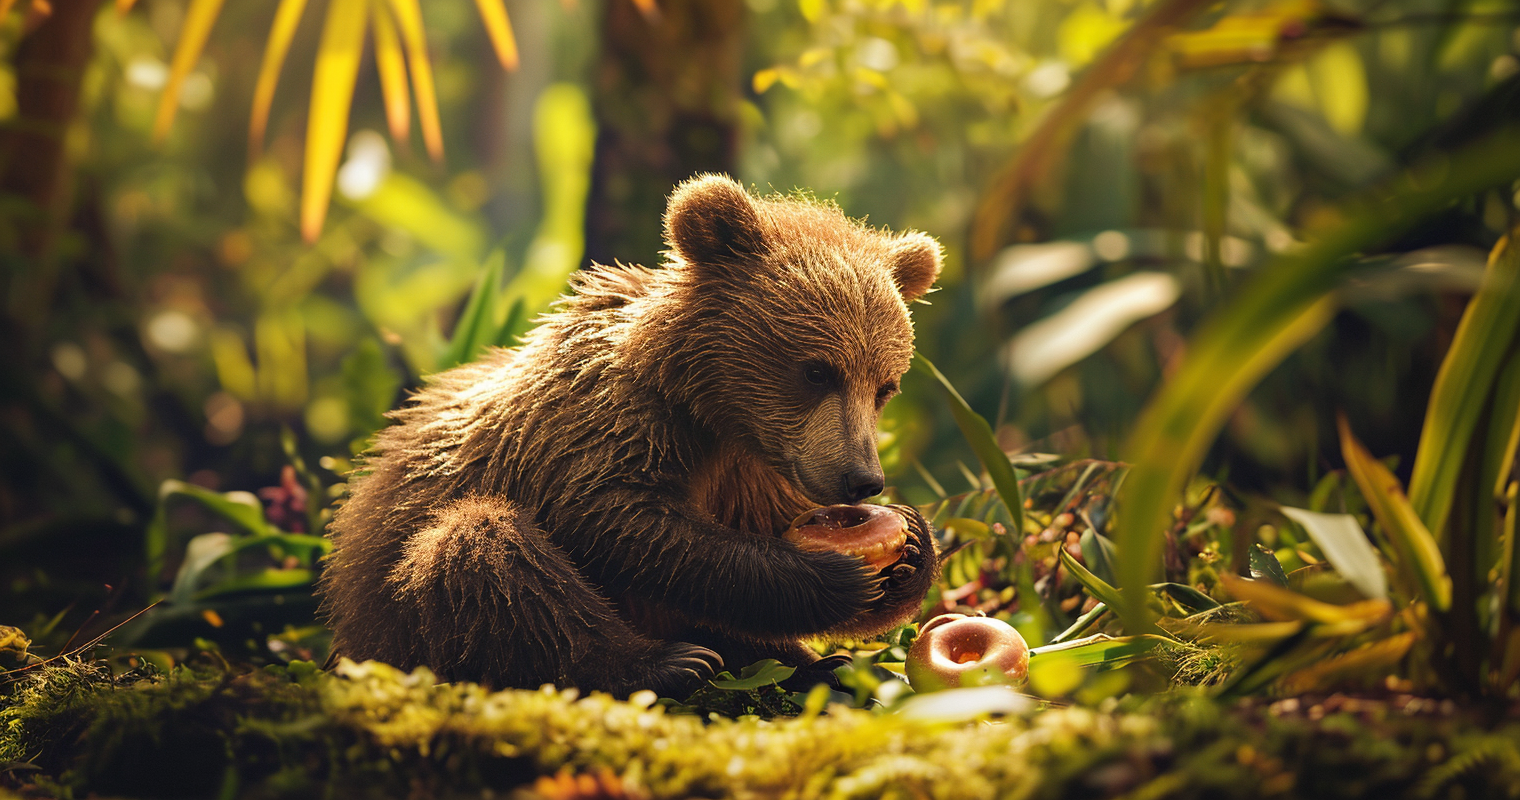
(373, 731)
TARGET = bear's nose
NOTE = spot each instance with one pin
(862, 483)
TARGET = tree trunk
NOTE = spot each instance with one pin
(34, 164)
(666, 99)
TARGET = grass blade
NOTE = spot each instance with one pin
(409, 20)
(1511, 564)
(1419, 555)
(286, 18)
(1099, 650)
(332, 94)
(391, 65)
(979, 435)
(476, 327)
(199, 18)
(1240, 342)
(1346, 547)
(1485, 336)
(494, 14)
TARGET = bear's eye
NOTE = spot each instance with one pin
(885, 393)
(817, 374)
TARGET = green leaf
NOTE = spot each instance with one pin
(1264, 565)
(1287, 302)
(1346, 547)
(1098, 552)
(1095, 586)
(761, 673)
(979, 435)
(203, 551)
(239, 508)
(477, 325)
(1485, 337)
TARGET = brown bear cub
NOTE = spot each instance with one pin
(602, 507)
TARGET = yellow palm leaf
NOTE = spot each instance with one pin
(199, 18)
(332, 94)
(286, 17)
(409, 19)
(494, 14)
(391, 64)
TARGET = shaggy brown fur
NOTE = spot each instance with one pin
(601, 506)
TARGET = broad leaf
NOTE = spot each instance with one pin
(761, 673)
(1265, 566)
(1347, 548)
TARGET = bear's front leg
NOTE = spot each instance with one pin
(497, 602)
(753, 586)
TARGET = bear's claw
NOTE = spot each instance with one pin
(682, 668)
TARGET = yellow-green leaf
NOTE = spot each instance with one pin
(409, 19)
(1485, 337)
(199, 18)
(1364, 662)
(494, 14)
(332, 94)
(1419, 555)
(286, 17)
(1285, 605)
(391, 65)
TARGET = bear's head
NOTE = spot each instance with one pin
(794, 328)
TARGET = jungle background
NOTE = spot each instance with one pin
(1182, 239)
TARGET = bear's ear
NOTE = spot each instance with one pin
(711, 220)
(915, 263)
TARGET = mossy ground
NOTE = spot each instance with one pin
(219, 731)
